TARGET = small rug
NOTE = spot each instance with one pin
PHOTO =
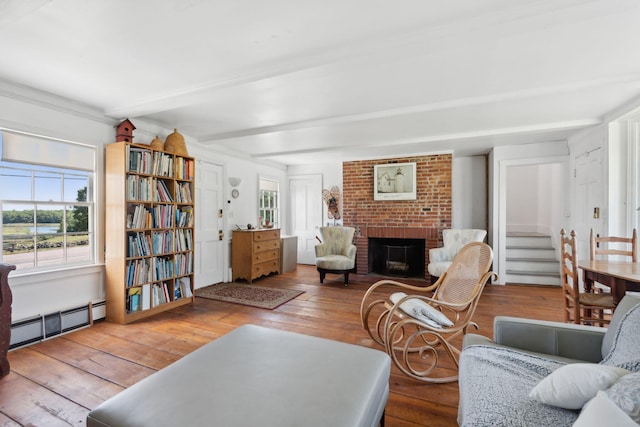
(253, 296)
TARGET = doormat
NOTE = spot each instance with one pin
(253, 296)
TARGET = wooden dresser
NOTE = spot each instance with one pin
(255, 253)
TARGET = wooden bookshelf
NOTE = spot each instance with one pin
(149, 231)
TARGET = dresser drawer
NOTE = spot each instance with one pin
(266, 245)
(265, 255)
(266, 267)
(266, 235)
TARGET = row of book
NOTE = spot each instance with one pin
(184, 216)
(163, 268)
(159, 242)
(140, 160)
(144, 297)
(147, 270)
(184, 168)
(139, 187)
(162, 242)
(162, 193)
(182, 288)
(139, 271)
(184, 240)
(139, 245)
(148, 189)
(141, 217)
(183, 193)
(184, 264)
(160, 216)
(162, 164)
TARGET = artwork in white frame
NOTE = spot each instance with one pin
(394, 181)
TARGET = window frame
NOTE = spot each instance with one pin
(65, 175)
(269, 211)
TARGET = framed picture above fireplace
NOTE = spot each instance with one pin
(394, 181)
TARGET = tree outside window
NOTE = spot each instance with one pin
(268, 202)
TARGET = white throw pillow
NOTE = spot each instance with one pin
(573, 385)
(421, 310)
(600, 411)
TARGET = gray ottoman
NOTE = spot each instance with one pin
(256, 376)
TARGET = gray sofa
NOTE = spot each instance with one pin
(497, 377)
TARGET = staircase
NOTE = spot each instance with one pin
(531, 259)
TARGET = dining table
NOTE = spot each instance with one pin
(619, 276)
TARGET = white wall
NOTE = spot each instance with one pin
(535, 198)
(469, 192)
(331, 175)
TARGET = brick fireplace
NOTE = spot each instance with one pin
(423, 218)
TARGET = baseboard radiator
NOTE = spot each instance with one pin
(42, 327)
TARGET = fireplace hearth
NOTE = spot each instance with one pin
(396, 257)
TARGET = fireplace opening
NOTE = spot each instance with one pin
(396, 257)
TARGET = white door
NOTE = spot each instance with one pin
(589, 197)
(209, 262)
(305, 192)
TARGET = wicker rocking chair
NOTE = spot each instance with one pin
(417, 329)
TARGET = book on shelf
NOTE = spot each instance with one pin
(185, 286)
(184, 216)
(162, 193)
(162, 164)
(146, 297)
(184, 168)
(139, 160)
(183, 193)
(134, 298)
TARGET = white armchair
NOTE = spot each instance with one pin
(453, 239)
(337, 253)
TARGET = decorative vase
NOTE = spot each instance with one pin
(175, 144)
(157, 144)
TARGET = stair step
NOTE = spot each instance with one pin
(531, 259)
(530, 253)
(535, 241)
(532, 280)
(534, 273)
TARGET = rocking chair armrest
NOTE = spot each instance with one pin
(555, 338)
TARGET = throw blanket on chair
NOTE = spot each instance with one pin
(504, 400)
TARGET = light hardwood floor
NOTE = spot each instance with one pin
(57, 382)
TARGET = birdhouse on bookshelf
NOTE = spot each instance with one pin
(124, 131)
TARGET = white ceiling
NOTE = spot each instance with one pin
(296, 81)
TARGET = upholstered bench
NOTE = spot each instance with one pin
(255, 376)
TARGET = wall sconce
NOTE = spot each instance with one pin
(234, 181)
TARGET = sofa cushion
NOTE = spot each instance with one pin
(623, 308)
(625, 347)
(573, 385)
(625, 393)
(494, 389)
(335, 262)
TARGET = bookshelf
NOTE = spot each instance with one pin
(149, 231)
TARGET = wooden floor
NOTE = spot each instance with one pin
(57, 382)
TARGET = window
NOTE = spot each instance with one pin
(47, 209)
(269, 203)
